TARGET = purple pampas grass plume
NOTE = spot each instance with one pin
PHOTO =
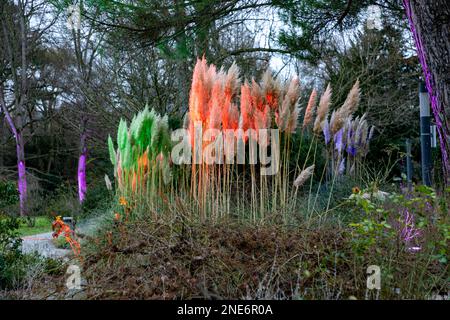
(341, 168)
(326, 131)
(338, 141)
(351, 150)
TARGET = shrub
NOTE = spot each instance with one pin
(63, 202)
(9, 197)
(10, 252)
(414, 221)
(8, 193)
(97, 197)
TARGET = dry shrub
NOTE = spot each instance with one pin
(188, 260)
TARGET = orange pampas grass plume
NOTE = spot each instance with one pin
(271, 90)
(199, 95)
(230, 113)
(217, 104)
(261, 110)
(310, 109)
(205, 83)
(233, 118)
(247, 110)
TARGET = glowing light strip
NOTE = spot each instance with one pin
(82, 177)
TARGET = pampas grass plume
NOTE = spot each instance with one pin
(310, 108)
(322, 110)
(304, 176)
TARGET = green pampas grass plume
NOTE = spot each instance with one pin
(112, 151)
(127, 156)
(166, 173)
(122, 135)
(160, 136)
(134, 127)
(145, 122)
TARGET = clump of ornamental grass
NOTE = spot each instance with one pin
(346, 138)
(211, 106)
(141, 160)
(228, 125)
(214, 104)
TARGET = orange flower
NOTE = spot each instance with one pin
(355, 190)
(117, 216)
(123, 201)
(61, 227)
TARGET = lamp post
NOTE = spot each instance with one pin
(425, 137)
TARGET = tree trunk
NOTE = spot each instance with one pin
(20, 151)
(2, 141)
(22, 179)
(82, 187)
(430, 25)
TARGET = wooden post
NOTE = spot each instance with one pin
(409, 166)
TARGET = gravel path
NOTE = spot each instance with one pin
(42, 244)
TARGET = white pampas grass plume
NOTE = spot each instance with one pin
(108, 183)
(186, 121)
(293, 92)
(288, 114)
(348, 108)
(351, 102)
(293, 121)
(310, 108)
(232, 82)
(322, 110)
(304, 176)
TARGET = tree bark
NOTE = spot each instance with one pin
(2, 140)
(430, 25)
(22, 179)
(20, 151)
(82, 186)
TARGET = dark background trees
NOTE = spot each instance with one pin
(75, 84)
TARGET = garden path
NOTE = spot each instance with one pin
(42, 244)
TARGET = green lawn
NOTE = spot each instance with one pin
(43, 224)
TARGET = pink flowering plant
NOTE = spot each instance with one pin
(418, 221)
